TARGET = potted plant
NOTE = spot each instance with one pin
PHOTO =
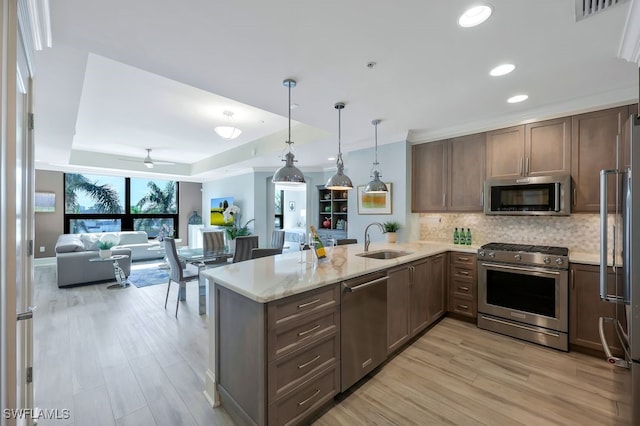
(105, 248)
(391, 229)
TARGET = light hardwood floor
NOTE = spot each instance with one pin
(117, 357)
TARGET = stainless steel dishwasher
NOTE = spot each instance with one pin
(363, 317)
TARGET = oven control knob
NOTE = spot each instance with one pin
(492, 254)
(517, 257)
(546, 260)
(481, 253)
(559, 261)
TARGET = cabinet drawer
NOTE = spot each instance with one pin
(295, 369)
(293, 308)
(308, 329)
(462, 288)
(465, 260)
(296, 406)
(463, 273)
(462, 305)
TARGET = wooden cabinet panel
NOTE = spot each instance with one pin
(398, 285)
(585, 307)
(505, 152)
(466, 173)
(593, 148)
(548, 147)
(428, 183)
(420, 282)
(437, 295)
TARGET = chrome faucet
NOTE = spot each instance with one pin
(367, 240)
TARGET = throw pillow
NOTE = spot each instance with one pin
(90, 241)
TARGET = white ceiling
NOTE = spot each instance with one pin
(123, 76)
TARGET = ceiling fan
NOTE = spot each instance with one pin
(149, 163)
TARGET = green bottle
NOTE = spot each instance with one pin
(456, 237)
(468, 237)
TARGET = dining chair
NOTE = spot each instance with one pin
(277, 239)
(177, 273)
(243, 247)
(344, 241)
(264, 252)
(212, 242)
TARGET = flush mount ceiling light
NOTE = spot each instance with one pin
(376, 185)
(517, 98)
(503, 69)
(229, 131)
(475, 16)
(339, 181)
(289, 174)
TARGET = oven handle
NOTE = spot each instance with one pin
(518, 268)
(535, 330)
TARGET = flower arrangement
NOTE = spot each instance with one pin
(232, 216)
(164, 232)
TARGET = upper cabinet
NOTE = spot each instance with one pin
(535, 149)
(594, 148)
(448, 175)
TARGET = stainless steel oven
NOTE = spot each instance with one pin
(523, 292)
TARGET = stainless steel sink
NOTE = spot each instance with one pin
(383, 254)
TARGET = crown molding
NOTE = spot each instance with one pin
(630, 42)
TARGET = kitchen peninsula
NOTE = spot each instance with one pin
(274, 351)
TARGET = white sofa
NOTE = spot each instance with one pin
(73, 252)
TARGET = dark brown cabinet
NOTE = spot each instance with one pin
(333, 208)
(416, 298)
(463, 281)
(585, 308)
(536, 149)
(448, 175)
(277, 363)
(594, 148)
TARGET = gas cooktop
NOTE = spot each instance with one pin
(546, 256)
(555, 251)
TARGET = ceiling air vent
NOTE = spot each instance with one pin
(587, 8)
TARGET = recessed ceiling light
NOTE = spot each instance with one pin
(502, 70)
(475, 16)
(517, 98)
(331, 158)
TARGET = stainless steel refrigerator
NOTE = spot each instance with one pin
(623, 253)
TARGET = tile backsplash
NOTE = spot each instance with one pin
(578, 232)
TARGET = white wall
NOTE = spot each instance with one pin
(240, 187)
(394, 161)
(292, 218)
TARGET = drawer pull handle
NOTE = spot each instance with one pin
(465, 307)
(317, 357)
(302, 333)
(304, 305)
(463, 258)
(464, 288)
(300, 404)
(463, 272)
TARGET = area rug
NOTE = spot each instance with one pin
(144, 274)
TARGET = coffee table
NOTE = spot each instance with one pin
(122, 280)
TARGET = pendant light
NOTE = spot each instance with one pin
(289, 174)
(376, 185)
(339, 181)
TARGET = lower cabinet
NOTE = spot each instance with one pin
(585, 308)
(416, 297)
(277, 363)
(463, 281)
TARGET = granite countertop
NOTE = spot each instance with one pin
(275, 277)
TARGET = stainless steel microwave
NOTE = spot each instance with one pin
(538, 195)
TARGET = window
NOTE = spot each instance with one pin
(279, 216)
(95, 203)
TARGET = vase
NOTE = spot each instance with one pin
(392, 237)
(104, 253)
(232, 246)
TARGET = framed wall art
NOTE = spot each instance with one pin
(374, 203)
(45, 202)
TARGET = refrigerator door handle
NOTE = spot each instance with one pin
(617, 361)
(604, 219)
